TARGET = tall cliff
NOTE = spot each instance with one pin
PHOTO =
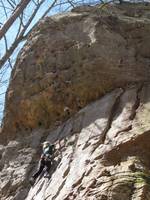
(82, 82)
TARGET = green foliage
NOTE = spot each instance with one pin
(142, 177)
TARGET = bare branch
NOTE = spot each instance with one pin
(23, 4)
(19, 38)
(20, 25)
(4, 8)
(2, 93)
(11, 3)
(35, 2)
(71, 3)
(10, 51)
(48, 10)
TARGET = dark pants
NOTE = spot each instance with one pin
(43, 165)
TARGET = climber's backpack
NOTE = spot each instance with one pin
(48, 153)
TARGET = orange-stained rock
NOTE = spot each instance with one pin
(72, 59)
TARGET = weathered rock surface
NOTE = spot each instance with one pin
(103, 150)
(73, 59)
(103, 153)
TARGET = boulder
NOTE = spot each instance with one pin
(73, 59)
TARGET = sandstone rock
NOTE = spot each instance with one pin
(72, 59)
(16, 158)
(92, 163)
(96, 168)
(103, 150)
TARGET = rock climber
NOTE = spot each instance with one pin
(45, 161)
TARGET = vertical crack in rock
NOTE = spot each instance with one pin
(110, 119)
(137, 103)
(112, 114)
(133, 111)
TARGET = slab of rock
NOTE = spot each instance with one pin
(102, 152)
(68, 62)
(96, 164)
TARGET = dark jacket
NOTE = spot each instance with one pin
(48, 153)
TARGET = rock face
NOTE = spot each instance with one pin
(55, 94)
(105, 153)
(73, 59)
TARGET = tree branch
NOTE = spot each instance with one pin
(19, 9)
(19, 38)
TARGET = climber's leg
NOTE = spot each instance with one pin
(38, 172)
(47, 168)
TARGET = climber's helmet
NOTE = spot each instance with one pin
(46, 144)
